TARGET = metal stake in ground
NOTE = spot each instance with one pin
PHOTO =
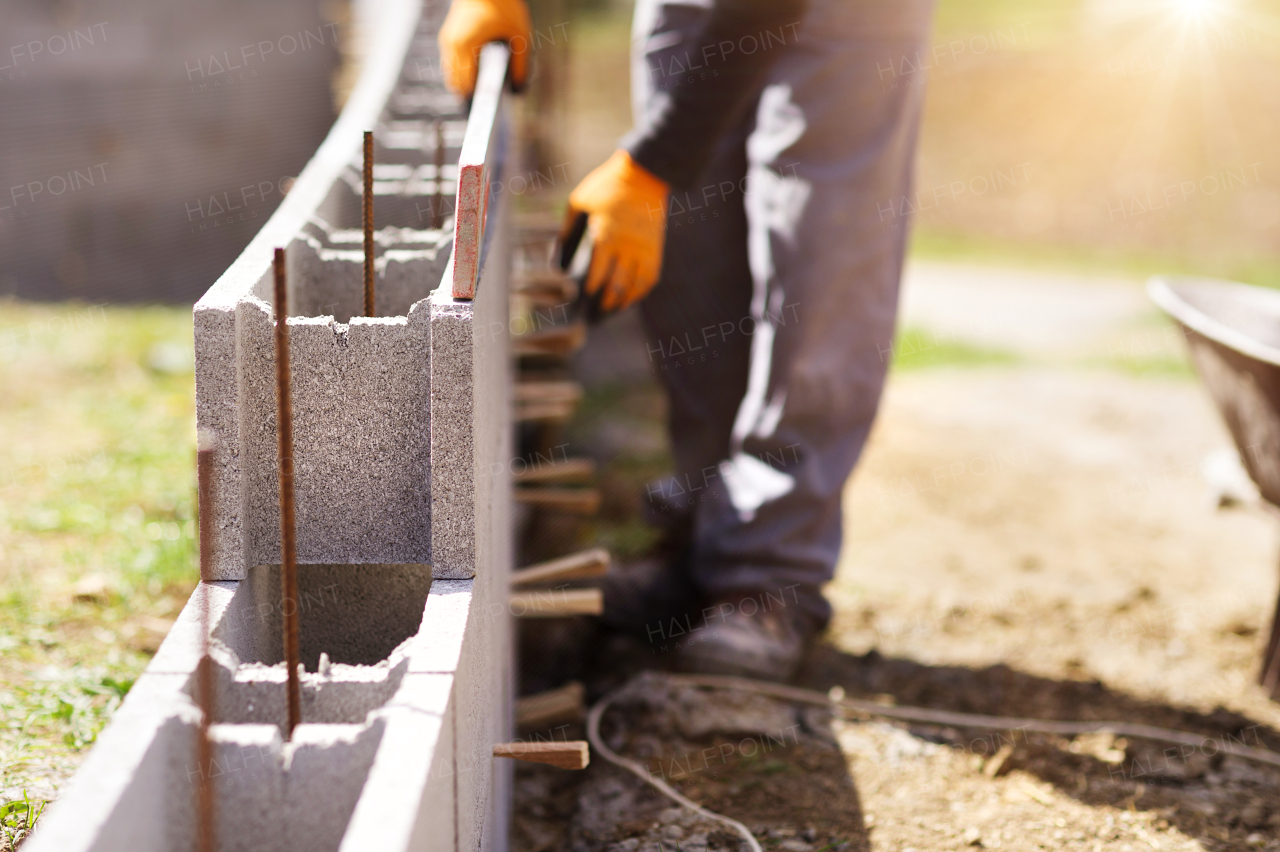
(288, 547)
(367, 217)
(204, 673)
(437, 203)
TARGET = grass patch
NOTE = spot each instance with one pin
(935, 244)
(17, 819)
(97, 523)
(921, 349)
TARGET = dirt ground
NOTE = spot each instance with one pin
(1027, 535)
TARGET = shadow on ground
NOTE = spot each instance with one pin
(803, 796)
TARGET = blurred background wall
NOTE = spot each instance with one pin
(144, 142)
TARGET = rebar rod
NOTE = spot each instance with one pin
(288, 545)
(437, 203)
(204, 673)
(367, 222)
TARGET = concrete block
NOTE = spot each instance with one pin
(326, 269)
(390, 755)
(471, 443)
(355, 614)
(361, 440)
(408, 805)
(377, 407)
(402, 442)
(247, 771)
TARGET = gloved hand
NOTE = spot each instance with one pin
(626, 207)
(469, 26)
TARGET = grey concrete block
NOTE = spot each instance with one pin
(247, 771)
(402, 438)
(326, 269)
(327, 769)
(361, 440)
(389, 755)
(368, 377)
(356, 614)
(408, 805)
(470, 417)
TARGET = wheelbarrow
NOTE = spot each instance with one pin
(1233, 334)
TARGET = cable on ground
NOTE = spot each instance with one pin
(838, 706)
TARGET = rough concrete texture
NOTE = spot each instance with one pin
(470, 416)
(361, 438)
(409, 678)
(360, 387)
(354, 614)
(390, 756)
(326, 270)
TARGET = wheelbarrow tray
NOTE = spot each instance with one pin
(1233, 336)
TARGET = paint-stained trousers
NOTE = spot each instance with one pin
(773, 322)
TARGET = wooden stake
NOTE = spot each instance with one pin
(573, 754)
(565, 704)
(556, 603)
(574, 501)
(545, 286)
(588, 563)
(549, 391)
(367, 221)
(561, 340)
(528, 412)
(288, 546)
(569, 470)
(546, 400)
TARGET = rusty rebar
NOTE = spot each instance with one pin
(204, 670)
(288, 545)
(367, 222)
(437, 203)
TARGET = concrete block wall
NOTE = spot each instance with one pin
(390, 756)
(403, 527)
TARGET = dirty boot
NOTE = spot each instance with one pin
(646, 593)
(744, 639)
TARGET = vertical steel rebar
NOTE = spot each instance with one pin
(367, 221)
(437, 203)
(288, 546)
(205, 841)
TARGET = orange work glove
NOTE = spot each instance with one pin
(626, 207)
(469, 26)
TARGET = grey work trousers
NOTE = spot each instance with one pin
(772, 325)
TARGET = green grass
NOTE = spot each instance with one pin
(97, 527)
(921, 348)
(17, 819)
(961, 247)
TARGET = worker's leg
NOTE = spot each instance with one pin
(698, 318)
(697, 335)
(829, 162)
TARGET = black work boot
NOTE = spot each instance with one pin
(642, 595)
(747, 637)
(639, 596)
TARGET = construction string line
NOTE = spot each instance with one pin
(593, 736)
(838, 707)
